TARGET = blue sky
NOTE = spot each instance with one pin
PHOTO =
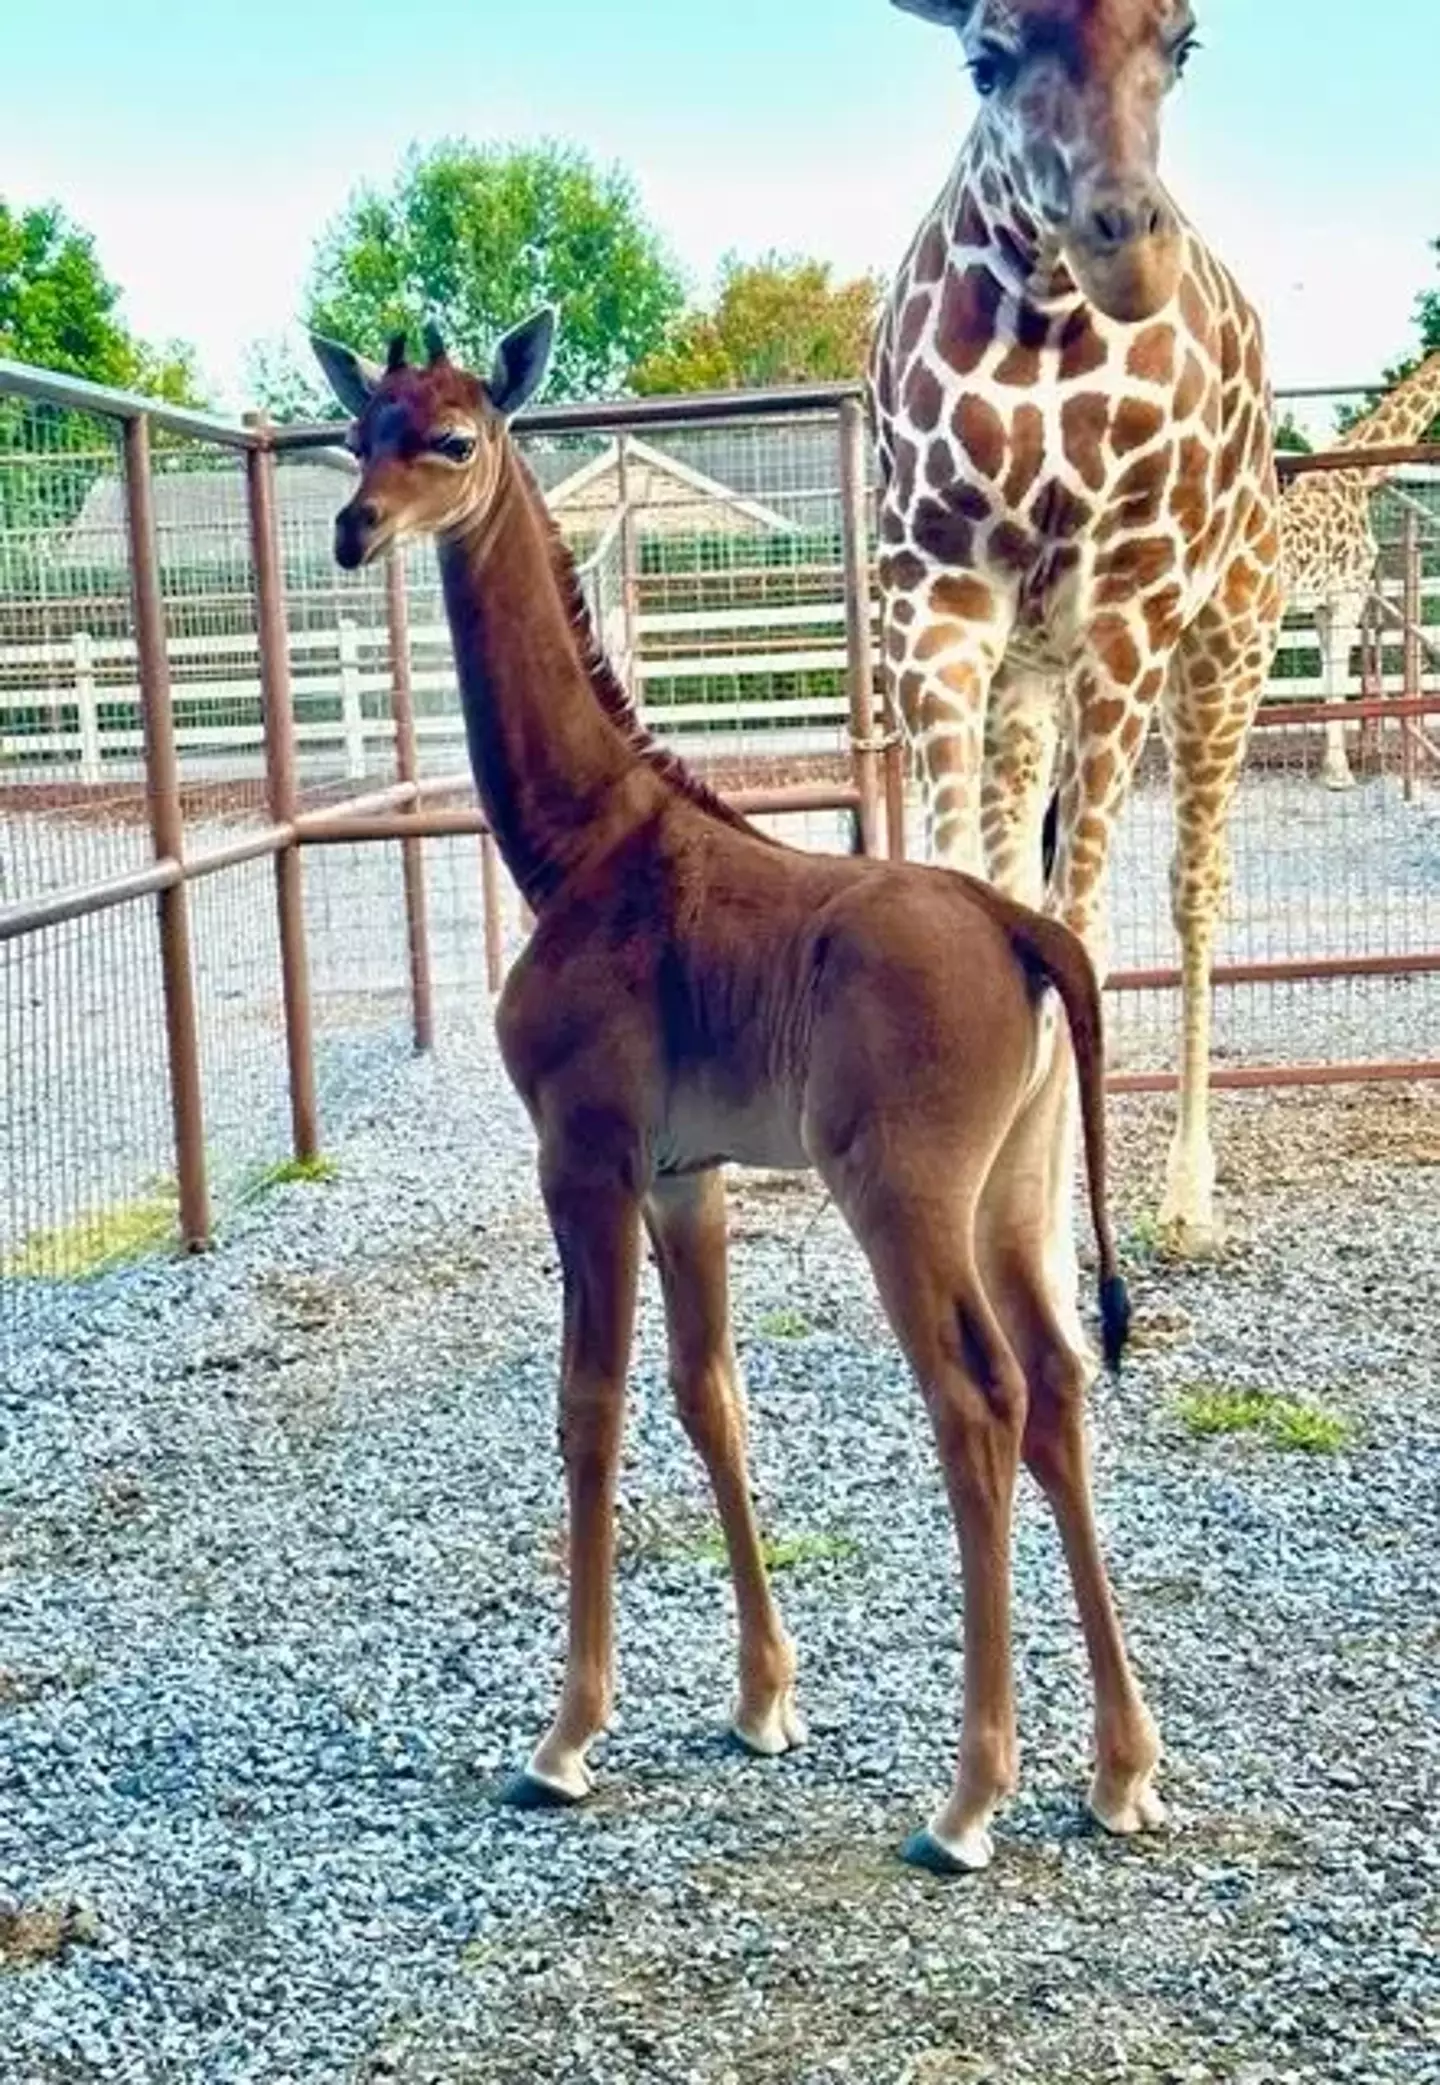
(206, 146)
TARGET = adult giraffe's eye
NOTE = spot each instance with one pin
(992, 70)
(454, 447)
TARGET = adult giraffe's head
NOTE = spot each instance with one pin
(429, 441)
(1072, 92)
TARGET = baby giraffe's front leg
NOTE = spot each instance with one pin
(595, 1216)
(686, 1221)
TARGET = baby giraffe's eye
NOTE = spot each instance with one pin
(454, 447)
(1185, 50)
(993, 69)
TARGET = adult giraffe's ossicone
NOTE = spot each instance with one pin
(1078, 512)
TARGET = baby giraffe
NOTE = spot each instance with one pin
(695, 993)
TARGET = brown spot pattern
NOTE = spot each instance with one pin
(923, 398)
(967, 317)
(981, 433)
(1152, 355)
(963, 596)
(1083, 425)
(1027, 451)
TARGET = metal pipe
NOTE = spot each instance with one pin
(1250, 1077)
(235, 853)
(52, 387)
(284, 799)
(1271, 716)
(395, 796)
(629, 565)
(1291, 464)
(860, 656)
(1412, 613)
(490, 910)
(167, 828)
(1313, 971)
(33, 915)
(412, 852)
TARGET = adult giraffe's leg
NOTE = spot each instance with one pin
(1216, 680)
(1336, 623)
(686, 1221)
(1021, 737)
(945, 635)
(596, 1221)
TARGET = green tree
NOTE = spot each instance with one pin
(779, 320)
(59, 310)
(1427, 319)
(476, 238)
(1290, 436)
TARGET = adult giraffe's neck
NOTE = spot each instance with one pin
(1403, 415)
(986, 221)
(555, 769)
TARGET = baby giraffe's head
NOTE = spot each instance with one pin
(429, 441)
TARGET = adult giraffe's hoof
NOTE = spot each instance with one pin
(1127, 1811)
(971, 1854)
(773, 1732)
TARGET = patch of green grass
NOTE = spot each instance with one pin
(292, 1172)
(785, 1552)
(786, 1324)
(1282, 1421)
(100, 1240)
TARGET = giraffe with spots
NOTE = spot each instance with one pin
(1328, 551)
(1078, 513)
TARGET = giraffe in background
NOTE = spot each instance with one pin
(1079, 504)
(1328, 551)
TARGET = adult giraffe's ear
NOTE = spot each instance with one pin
(350, 376)
(522, 362)
(951, 14)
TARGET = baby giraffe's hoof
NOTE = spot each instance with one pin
(772, 1733)
(536, 1791)
(1127, 1812)
(970, 1854)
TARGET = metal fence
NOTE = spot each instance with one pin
(241, 864)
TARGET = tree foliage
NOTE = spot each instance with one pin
(1288, 435)
(59, 310)
(476, 238)
(779, 320)
(1427, 319)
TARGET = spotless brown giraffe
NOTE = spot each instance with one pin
(695, 993)
(1078, 513)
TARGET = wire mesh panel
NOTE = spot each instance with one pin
(87, 1171)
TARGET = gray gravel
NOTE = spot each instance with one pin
(280, 1605)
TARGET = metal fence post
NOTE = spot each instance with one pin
(284, 792)
(407, 769)
(167, 827)
(1413, 688)
(860, 675)
(490, 903)
(629, 564)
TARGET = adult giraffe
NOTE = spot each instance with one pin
(1328, 551)
(1079, 502)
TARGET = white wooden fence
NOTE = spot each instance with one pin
(71, 709)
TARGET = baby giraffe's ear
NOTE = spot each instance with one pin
(350, 376)
(952, 14)
(522, 362)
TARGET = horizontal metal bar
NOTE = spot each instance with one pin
(270, 839)
(616, 415)
(1250, 1077)
(374, 803)
(1292, 464)
(1300, 971)
(32, 915)
(321, 829)
(1360, 711)
(51, 387)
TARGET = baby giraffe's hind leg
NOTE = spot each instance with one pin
(686, 1221)
(975, 1394)
(1056, 1451)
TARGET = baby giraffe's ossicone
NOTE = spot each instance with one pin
(696, 994)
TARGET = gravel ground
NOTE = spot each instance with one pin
(280, 1604)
